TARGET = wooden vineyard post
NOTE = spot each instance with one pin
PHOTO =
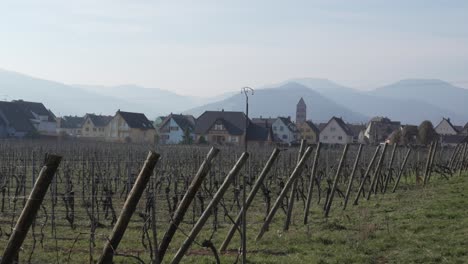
(366, 174)
(390, 164)
(297, 171)
(462, 161)
(335, 182)
(401, 170)
(294, 189)
(10, 255)
(129, 208)
(373, 186)
(311, 183)
(428, 162)
(432, 160)
(351, 178)
(250, 198)
(209, 209)
(186, 201)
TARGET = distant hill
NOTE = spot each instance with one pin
(411, 109)
(65, 99)
(435, 92)
(281, 101)
(62, 99)
(409, 101)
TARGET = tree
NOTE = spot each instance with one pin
(202, 140)
(187, 137)
(426, 133)
(396, 137)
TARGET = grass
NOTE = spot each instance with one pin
(413, 225)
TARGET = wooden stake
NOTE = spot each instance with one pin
(129, 208)
(293, 189)
(209, 209)
(29, 213)
(373, 186)
(401, 170)
(297, 171)
(351, 179)
(186, 201)
(335, 182)
(311, 183)
(366, 174)
(250, 198)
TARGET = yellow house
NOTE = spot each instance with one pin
(130, 127)
(309, 131)
(94, 126)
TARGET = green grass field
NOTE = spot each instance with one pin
(414, 225)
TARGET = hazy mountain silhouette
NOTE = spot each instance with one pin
(281, 101)
(436, 92)
(411, 109)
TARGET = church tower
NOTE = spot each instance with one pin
(301, 112)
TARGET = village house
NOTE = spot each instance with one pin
(70, 125)
(379, 129)
(175, 128)
(130, 127)
(40, 117)
(226, 127)
(453, 140)
(285, 130)
(14, 122)
(309, 131)
(94, 126)
(445, 127)
(336, 132)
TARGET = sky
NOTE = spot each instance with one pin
(205, 48)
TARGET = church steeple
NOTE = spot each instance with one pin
(301, 112)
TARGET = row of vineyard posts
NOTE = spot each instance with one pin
(364, 178)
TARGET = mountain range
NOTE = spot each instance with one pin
(409, 101)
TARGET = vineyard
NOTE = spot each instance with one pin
(191, 197)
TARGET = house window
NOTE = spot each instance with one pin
(285, 136)
(94, 129)
(332, 128)
(174, 128)
(325, 137)
(233, 139)
(281, 128)
(340, 138)
(274, 128)
(218, 127)
(87, 129)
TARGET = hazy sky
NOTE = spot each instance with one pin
(208, 47)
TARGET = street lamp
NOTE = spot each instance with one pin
(245, 91)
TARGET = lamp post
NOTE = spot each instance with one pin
(245, 91)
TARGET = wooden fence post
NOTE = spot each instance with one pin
(335, 182)
(366, 174)
(351, 179)
(311, 183)
(294, 189)
(186, 201)
(209, 209)
(250, 198)
(129, 208)
(297, 171)
(10, 255)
